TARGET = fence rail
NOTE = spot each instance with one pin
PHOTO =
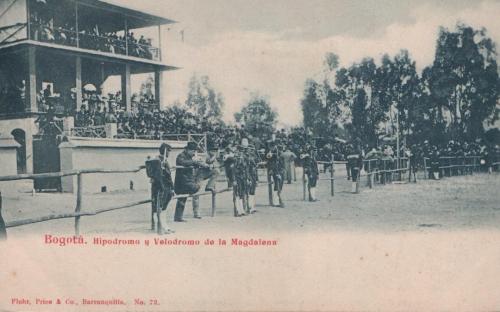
(373, 171)
(77, 214)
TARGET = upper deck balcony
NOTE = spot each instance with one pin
(83, 24)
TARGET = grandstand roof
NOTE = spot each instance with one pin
(142, 19)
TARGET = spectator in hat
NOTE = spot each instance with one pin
(162, 187)
(211, 171)
(288, 161)
(186, 180)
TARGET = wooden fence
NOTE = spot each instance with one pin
(372, 171)
(78, 213)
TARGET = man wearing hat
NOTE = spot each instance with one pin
(186, 180)
(229, 159)
(240, 181)
(276, 169)
(288, 161)
(211, 171)
(253, 176)
(355, 161)
(311, 171)
(162, 187)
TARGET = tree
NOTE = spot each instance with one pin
(364, 109)
(464, 80)
(320, 108)
(320, 103)
(257, 116)
(203, 99)
(398, 86)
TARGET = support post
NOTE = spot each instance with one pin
(3, 230)
(78, 83)
(159, 43)
(270, 187)
(31, 104)
(78, 207)
(77, 28)
(158, 87)
(126, 88)
(28, 21)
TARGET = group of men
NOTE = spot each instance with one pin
(240, 161)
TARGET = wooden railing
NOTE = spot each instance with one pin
(89, 132)
(78, 213)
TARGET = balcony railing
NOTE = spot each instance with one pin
(91, 41)
(58, 35)
(89, 132)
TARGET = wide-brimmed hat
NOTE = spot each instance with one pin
(165, 146)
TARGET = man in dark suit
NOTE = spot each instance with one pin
(186, 181)
(162, 187)
(276, 169)
(311, 171)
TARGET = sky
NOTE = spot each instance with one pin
(274, 46)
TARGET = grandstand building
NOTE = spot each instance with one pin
(60, 56)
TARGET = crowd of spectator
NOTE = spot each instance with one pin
(89, 36)
(158, 124)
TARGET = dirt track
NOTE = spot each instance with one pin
(464, 202)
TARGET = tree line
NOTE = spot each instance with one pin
(454, 98)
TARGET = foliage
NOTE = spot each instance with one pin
(454, 98)
(464, 80)
(203, 99)
(258, 118)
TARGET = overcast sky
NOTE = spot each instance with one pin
(273, 46)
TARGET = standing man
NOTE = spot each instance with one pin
(240, 182)
(252, 175)
(276, 169)
(288, 161)
(355, 162)
(186, 182)
(162, 187)
(311, 171)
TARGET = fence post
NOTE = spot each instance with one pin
(213, 204)
(474, 164)
(304, 189)
(385, 173)
(332, 170)
(294, 172)
(78, 202)
(3, 230)
(425, 169)
(369, 172)
(269, 187)
(370, 175)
